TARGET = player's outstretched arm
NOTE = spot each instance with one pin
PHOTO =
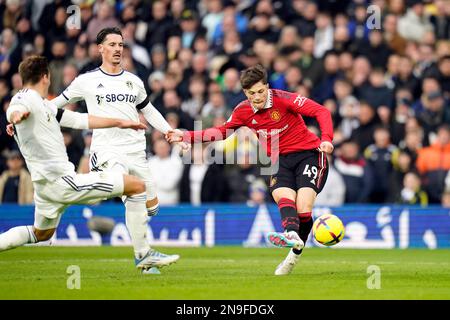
(99, 122)
(17, 117)
(78, 120)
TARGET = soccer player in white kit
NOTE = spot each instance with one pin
(110, 91)
(56, 185)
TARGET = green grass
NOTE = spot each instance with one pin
(224, 273)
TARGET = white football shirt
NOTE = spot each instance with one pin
(111, 96)
(39, 136)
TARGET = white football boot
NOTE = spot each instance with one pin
(155, 259)
(286, 266)
(289, 239)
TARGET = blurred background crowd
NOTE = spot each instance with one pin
(383, 71)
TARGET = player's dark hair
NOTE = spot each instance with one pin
(101, 36)
(253, 75)
(32, 69)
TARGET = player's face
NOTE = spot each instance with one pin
(257, 94)
(111, 49)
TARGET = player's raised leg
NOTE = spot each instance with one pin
(51, 200)
(285, 198)
(304, 204)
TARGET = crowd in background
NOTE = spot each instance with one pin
(386, 82)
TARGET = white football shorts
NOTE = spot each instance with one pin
(51, 198)
(135, 164)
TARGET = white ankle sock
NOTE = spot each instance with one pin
(136, 220)
(16, 237)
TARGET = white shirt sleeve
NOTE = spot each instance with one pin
(75, 120)
(15, 107)
(73, 93)
(60, 101)
(155, 118)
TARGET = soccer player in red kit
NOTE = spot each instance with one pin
(276, 117)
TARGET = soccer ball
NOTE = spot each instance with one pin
(328, 230)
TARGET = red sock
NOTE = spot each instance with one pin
(289, 218)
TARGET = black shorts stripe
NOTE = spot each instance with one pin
(98, 185)
(101, 184)
(94, 166)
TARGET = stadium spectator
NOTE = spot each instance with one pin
(357, 174)
(15, 183)
(441, 20)
(155, 83)
(405, 77)
(376, 93)
(241, 176)
(403, 165)
(166, 168)
(414, 24)
(368, 120)
(159, 26)
(214, 107)
(436, 112)
(232, 91)
(412, 192)
(433, 162)
(381, 156)
(324, 89)
(310, 66)
(429, 85)
(104, 18)
(212, 17)
(172, 103)
(203, 182)
(197, 96)
(257, 193)
(390, 34)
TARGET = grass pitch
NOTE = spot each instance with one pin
(224, 273)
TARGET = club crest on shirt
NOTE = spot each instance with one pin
(129, 85)
(275, 115)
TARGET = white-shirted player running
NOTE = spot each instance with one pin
(110, 91)
(56, 185)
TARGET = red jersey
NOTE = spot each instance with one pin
(280, 120)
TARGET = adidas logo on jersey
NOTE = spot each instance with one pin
(254, 121)
(100, 86)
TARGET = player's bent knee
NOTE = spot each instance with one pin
(305, 207)
(132, 185)
(44, 235)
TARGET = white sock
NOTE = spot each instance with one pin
(152, 211)
(16, 237)
(136, 220)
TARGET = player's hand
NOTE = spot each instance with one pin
(184, 146)
(17, 117)
(326, 147)
(175, 135)
(128, 124)
(10, 129)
